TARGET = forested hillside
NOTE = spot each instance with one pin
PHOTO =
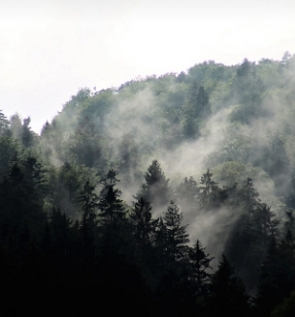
(166, 196)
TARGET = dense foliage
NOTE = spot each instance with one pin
(90, 221)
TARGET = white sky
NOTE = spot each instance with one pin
(51, 48)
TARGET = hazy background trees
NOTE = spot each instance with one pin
(111, 201)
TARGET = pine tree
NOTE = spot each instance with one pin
(265, 226)
(59, 226)
(66, 187)
(20, 201)
(27, 135)
(248, 196)
(227, 293)
(290, 223)
(248, 241)
(142, 223)
(209, 193)
(110, 205)
(198, 104)
(278, 166)
(4, 125)
(200, 263)
(88, 199)
(129, 158)
(156, 189)
(269, 293)
(176, 233)
(277, 279)
(35, 175)
(197, 108)
(160, 236)
(8, 153)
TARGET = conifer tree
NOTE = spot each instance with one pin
(290, 223)
(200, 263)
(110, 205)
(209, 193)
(269, 293)
(160, 237)
(59, 227)
(88, 200)
(248, 241)
(197, 108)
(199, 101)
(27, 135)
(4, 125)
(176, 233)
(142, 223)
(227, 293)
(277, 279)
(156, 189)
(248, 196)
(8, 153)
(265, 226)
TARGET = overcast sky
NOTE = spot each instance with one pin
(49, 49)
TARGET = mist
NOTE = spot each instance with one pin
(207, 153)
(143, 117)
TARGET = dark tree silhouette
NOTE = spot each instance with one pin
(200, 263)
(176, 234)
(227, 293)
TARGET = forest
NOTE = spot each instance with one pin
(170, 195)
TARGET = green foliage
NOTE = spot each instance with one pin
(209, 195)
(197, 109)
(65, 184)
(249, 239)
(129, 158)
(8, 153)
(239, 120)
(88, 199)
(110, 205)
(4, 125)
(249, 99)
(277, 280)
(156, 189)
